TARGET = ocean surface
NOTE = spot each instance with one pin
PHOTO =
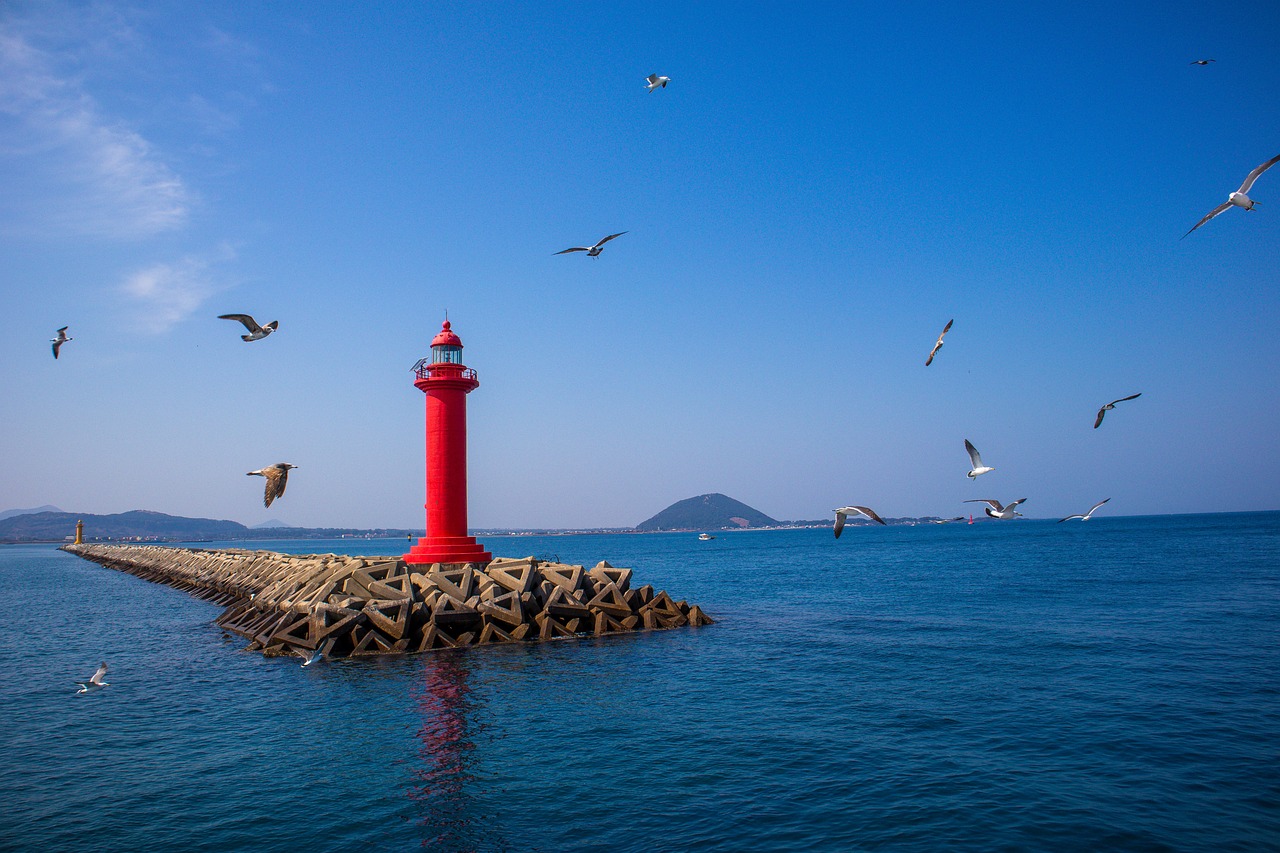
(1109, 685)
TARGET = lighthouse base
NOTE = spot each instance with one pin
(448, 549)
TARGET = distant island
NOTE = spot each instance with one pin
(720, 512)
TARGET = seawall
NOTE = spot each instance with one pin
(342, 605)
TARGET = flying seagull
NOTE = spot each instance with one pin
(1201, 61)
(256, 332)
(1239, 197)
(938, 345)
(277, 478)
(1002, 512)
(1102, 413)
(308, 659)
(845, 511)
(60, 340)
(656, 82)
(1085, 517)
(593, 251)
(95, 681)
(978, 467)
(946, 520)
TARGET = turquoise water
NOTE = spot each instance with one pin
(1001, 686)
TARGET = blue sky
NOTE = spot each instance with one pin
(819, 189)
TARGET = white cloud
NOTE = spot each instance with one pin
(169, 293)
(70, 167)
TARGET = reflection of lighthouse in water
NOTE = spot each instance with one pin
(440, 784)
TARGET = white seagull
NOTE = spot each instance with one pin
(1085, 516)
(946, 520)
(1239, 197)
(656, 82)
(1201, 61)
(95, 681)
(928, 361)
(256, 332)
(308, 659)
(60, 340)
(1002, 512)
(277, 478)
(845, 511)
(1102, 413)
(976, 460)
(593, 251)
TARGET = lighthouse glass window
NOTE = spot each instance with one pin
(450, 355)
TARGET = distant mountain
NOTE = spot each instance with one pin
(54, 526)
(10, 513)
(270, 524)
(145, 524)
(707, 512)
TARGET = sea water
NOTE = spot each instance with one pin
(1019, 685)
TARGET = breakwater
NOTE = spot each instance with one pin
(341, 605)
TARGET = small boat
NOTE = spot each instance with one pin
(705, 537)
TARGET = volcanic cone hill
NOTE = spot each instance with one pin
(707, 512)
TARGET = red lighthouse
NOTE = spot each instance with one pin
(446, 381)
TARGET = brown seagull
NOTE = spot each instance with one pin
(938, 345)
(1102, 413)
(277, 476)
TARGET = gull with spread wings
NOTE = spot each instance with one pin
(593, 251)
(938, 345)
(976, 461)
(1102, 413)
(95, 681)
(277, 477)
(256, 332)
(653, 81)
(60, 340)
(845, 511)
(1240, 197)
(1085, 516)
(1002, 512)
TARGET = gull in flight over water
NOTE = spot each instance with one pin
(946, 520)
(1239, 198)
(656, 82)
(845, 511)
(593, 251)
(1087, 515)
(1102, 413)
(938, 345)
(1002, 512)
(277, 478)
(256, 332)
(978, 467)
(60, 340)
(308, 659)
(95, 681)
(1201, 61)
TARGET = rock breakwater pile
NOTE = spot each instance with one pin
(342, 605)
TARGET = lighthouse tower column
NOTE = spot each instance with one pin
(446, 381)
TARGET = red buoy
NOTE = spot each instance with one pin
(446, 381)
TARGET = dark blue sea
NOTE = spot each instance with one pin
(1109, 685)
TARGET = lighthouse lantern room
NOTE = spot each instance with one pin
(446, 381)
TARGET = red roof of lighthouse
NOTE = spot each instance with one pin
(446, 338)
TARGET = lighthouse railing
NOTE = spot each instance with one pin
(442, 369)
